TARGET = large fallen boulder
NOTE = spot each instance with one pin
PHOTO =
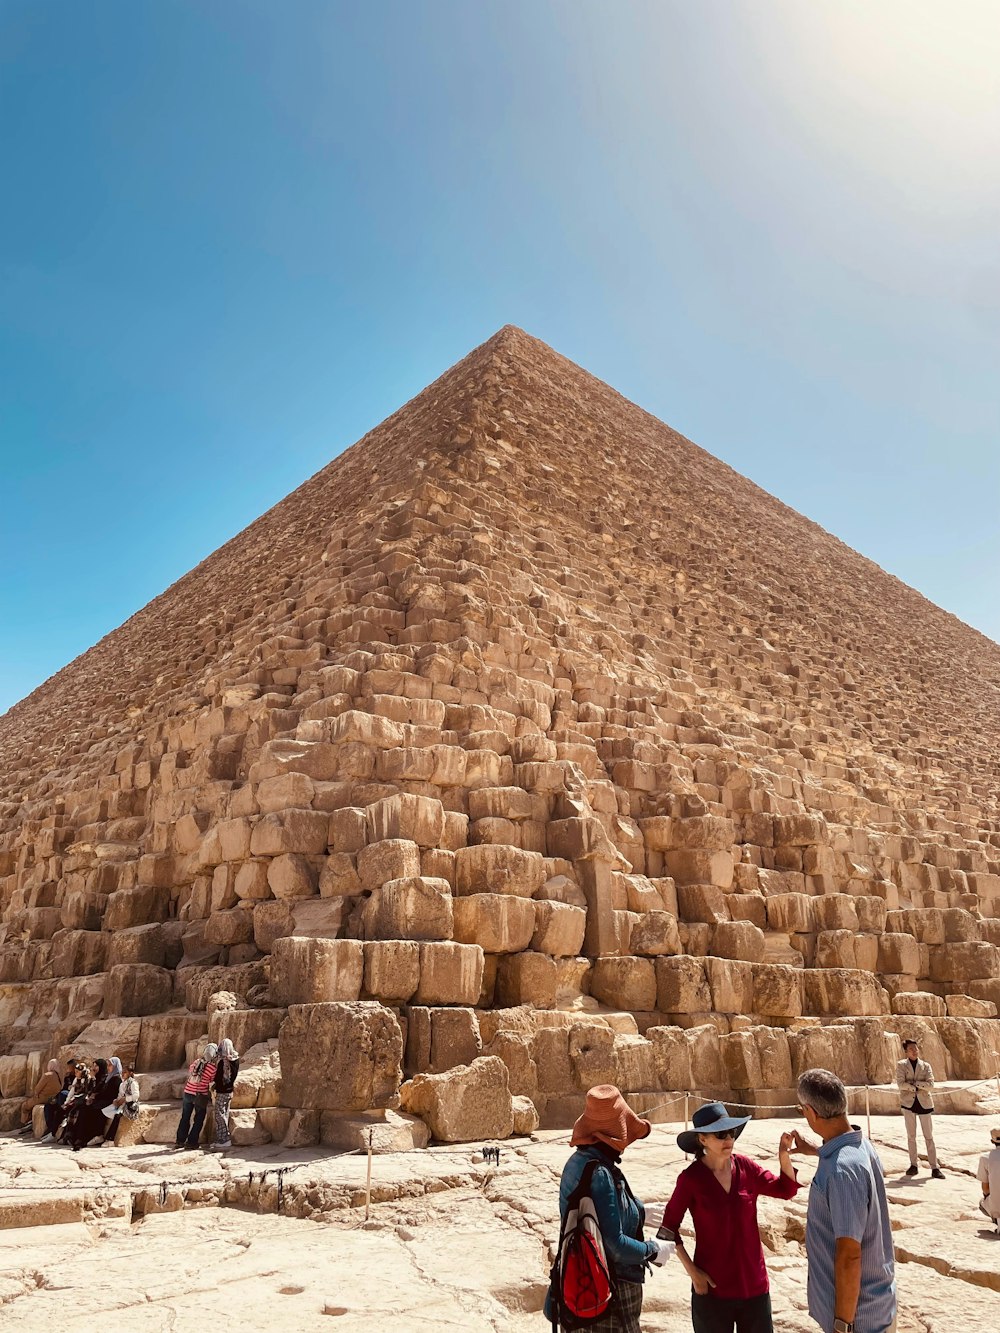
(465, 1104)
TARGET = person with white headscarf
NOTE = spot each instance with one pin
(47, 1087)
(226, 1072)
(196, 1097)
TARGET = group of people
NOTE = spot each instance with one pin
(212, 1075)
(86, 1104)
(851, 1269)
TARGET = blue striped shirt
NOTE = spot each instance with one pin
(847, 1199)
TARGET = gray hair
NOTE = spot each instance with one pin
(824, 1092)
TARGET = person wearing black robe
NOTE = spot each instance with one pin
(91, 1121)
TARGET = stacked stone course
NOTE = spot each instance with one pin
(526, 747)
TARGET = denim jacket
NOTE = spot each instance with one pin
(619, 1214)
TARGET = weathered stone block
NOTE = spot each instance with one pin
(449, 974)
(394, 858)
(135, 989)
(464, 1105)
(291, 875)
(496, 921)
(492, 868)
(559, 929)
(289, 831)
(340, 1057)
(409, 909)
(682, 986)
(418, 819)
(315, 971)
(526, 978)
(624, 983)
(392, 970)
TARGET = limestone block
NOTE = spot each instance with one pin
(672, 1054)
(449, 974)
(436, 863)
(641, 895)
(245, 1028)
(392, 970)
(291, 875)
(500, 803)
(711, 833)
(289, 831)
(591, 1048)
(657, 833)
(340, 1057)
(526, 978)
(339, 877)
(682, 986)
(234, 839)
(78, 953)
(287, 791)
(454, 1038)
(835, 911)
(800, 830)
(777, 990)
(959, 963)
(303, 1129)
(559, 929)
(138, 944)
(13, 1075)
(738, 939)
(409, 909)
(635, 1064)
(708, 1073)
(732, 985)
(136, 907)
(259, 1083)
(964, 1006)
(393, 858)
(232, 927)
(348, 829)
(700, 867)
(741, 1060)
(386, 1131)
(701, 902)
(971, 1055)
(624, 983)
(464, 1105)
(898, 953)
(163, 1039)
(315, 971)
(134, 989)
(104, 1037)
(497, 922)
(774, 1057)
(925, 924)
(562, 889)
(525, 1115)
(829, 991)
(492, 868)
(835, 948)
(251, 880)
(791, 912)
(418, 819)
(654, 934)
(960, 926)
(515, 1049)
(872, 913)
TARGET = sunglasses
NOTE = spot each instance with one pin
(723, 1134)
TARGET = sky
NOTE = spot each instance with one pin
(237, 235)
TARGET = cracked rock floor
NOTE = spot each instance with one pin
(449, 1246)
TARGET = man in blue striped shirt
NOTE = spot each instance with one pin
(852, 1284)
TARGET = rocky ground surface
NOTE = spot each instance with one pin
(451, 1242)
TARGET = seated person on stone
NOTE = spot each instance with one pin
(75, 1100)
(125, 1105)
(55, 1110)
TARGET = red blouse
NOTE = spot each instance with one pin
(727, 1241)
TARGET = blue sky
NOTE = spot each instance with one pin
(235, 236)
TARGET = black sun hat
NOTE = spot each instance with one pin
(711, 1119)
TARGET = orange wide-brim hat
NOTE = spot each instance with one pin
(608, 1118)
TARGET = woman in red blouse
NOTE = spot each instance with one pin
(729, 1285)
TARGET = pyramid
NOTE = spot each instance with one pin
(525, 743)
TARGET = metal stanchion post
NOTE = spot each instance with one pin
(368, 1182)
(868, 1108)
(687, 1118)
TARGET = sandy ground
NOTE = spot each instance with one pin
(450, 1243)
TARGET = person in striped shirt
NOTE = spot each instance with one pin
(197, 1097)
(851, 1284)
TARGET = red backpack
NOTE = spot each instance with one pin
(582, 1288)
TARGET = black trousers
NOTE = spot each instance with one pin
(711, 1314)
